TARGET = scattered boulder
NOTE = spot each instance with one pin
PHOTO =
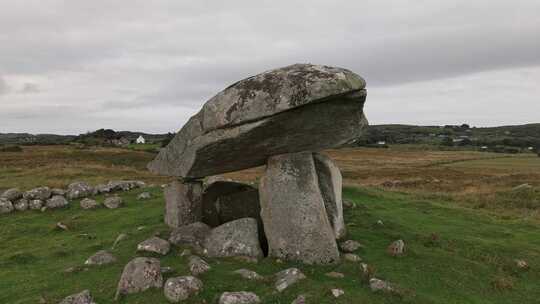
(155, 245)
(331, 184)
(12, 194)
(102, 257)
(144, 196)
(78, 190)
(335, 275)
(89, 203)
(56, 201)
(287, 277)
(336, 292)
(35, 204)
(350, 246)
(57, 191)
(21, 205)
(183, 203)
(351, 257)
(139, 275)
(197, 266)
(253, 114)
(521, 264)
(397, 248)
(40, 193)
(301, 299)
(378, 285)
(239, 297)
(113, 202)
(5, 206)
(236, 238)
(248, 274)
(293, 211)
(191, 234)
(83, 297)
(181, 288)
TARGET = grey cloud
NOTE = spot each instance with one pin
(30, 88)
(3, 86)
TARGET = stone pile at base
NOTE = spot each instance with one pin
(281, 119)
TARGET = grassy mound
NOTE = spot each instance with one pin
(453, 255)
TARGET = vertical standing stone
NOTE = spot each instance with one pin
(183, 203)
(293, 211)
(330, 183)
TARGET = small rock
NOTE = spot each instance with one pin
(239, 297)
(89, 203)
(397, 248)
(101, 257)
(155, 245)
(41, 193)
(62, 226)
(83, 297)
(380, 285)
(287, 277)
(181, 288)
(21, 205)
(350, 246)
(144, 196)
(380, 223)
(351, 257)
(335, 275)
(347, 204)
(248, 274)
(57, 201)
(35, 204)
(336, 292)
(113, 202)
(12, 195)
(522, 264)
(139, 275)
(5, 206)
(78, 190)
(119, 238)
(301, 299)
(197, 265)
(141, 228)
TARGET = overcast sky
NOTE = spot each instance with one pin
(73, 66)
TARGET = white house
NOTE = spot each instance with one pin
(140, 140)
(381, 142)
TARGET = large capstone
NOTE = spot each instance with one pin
(293, 211)
(183, 203)
(330, 184)
(276, 112)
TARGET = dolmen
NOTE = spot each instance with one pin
(282, 119)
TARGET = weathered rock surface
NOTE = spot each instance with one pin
(239, 297)
(248, 274)
(83, 297)
(139, 275)
(102, 257)
(287, 277)
(192, 234)
(183, 203)
(336, 292)
(236, 238)
(397, 248)
(155, 245)
(12, 194)
(335, 275)
(78, 190)
(56, 201)
(293, 211)
(35, 204)
(181, 288)
(40, 193)
(21, 205)
(113, 202)
(377, 285)
(89, 203)
(57, 191)
(350, 246)
(197, 266)
(351, 257)
(330, 184)
(144, 196)
(298, 100)
(5, 206)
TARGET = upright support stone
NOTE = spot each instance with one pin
(293, 211)
(183, 203)
(330, 183)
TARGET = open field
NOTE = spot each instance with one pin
(458, 251)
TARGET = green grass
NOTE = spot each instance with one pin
(472, 250)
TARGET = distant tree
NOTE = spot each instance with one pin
(447, 141)
(465, 126)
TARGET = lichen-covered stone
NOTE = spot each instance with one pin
(5, 206)
(78, 190)
(113, 202)
(21, 205)
(82, 297)
(12, 194)
(181, 288)
(155, 245)
(56, 201)
(198, 266)
(102, 257)
(89, 203)
(239, 297)
(253, 115)
(292, 209)
(139, 275)
(40, 193)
